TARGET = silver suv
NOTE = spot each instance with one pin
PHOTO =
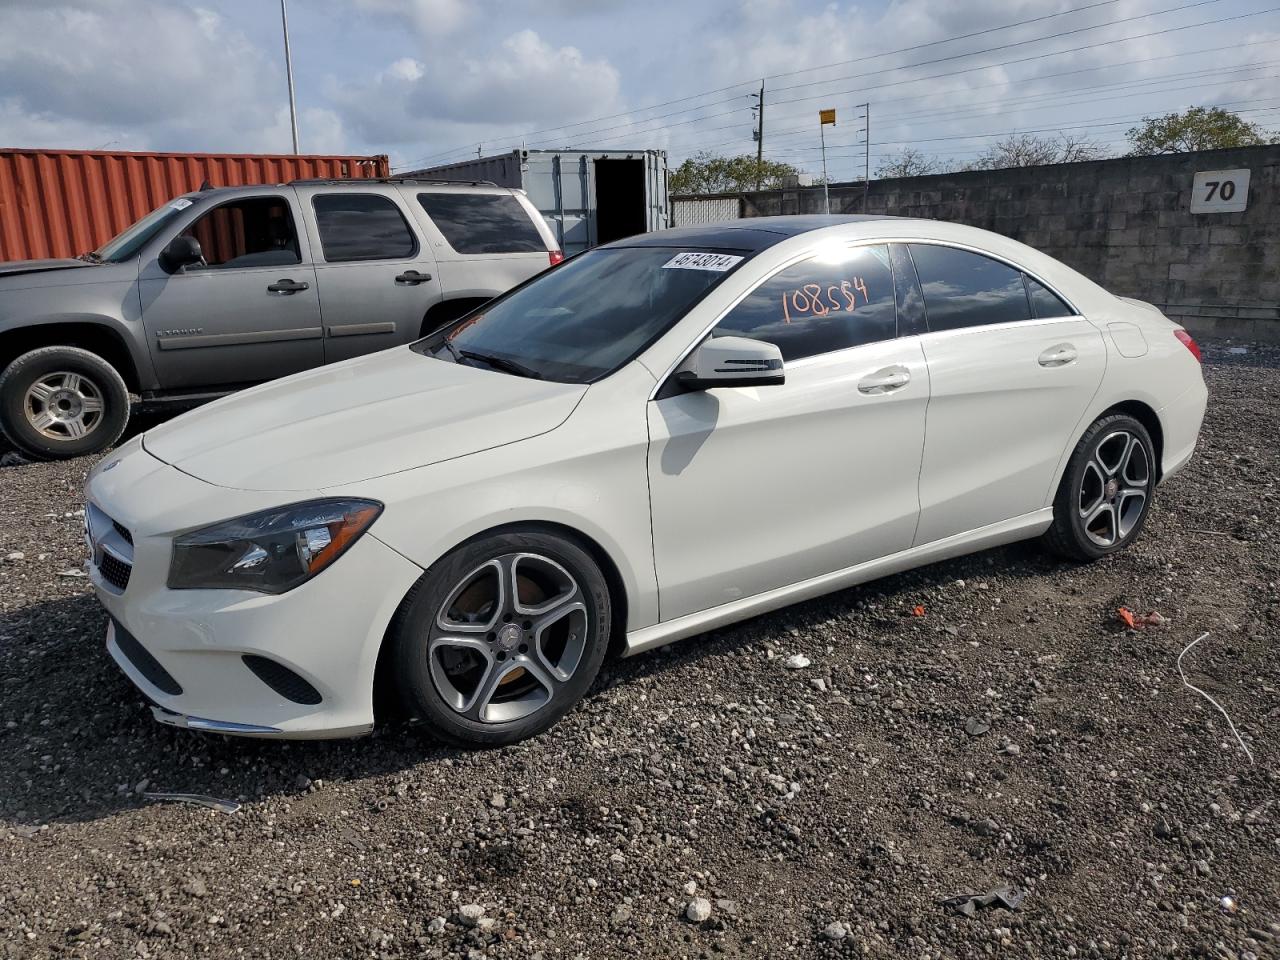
(223, 288)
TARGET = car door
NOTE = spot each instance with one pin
(754, 488)
(1013, 368)
(249, 312)
(377, 277)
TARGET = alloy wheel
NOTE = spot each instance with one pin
(508, 638)
(1114, 488)
(64, 406)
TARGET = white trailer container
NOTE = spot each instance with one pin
(588, 197)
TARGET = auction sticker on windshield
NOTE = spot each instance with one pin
(693, 260)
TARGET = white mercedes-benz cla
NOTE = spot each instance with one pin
(653, 439)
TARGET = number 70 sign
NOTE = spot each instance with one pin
(1220, 191)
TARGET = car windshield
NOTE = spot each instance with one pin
(126, 244)
(585, 319)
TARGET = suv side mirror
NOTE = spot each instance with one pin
(731, 362)
(181, 251)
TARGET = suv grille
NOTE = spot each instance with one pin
(147, 665)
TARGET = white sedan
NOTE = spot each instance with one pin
(656, 438)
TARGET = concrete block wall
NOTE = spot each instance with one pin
(1125, 223)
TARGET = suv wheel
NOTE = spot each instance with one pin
(62, 402)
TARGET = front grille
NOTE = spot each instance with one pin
(282, 680)
(146, 664)
(115, 571)
(121, 529)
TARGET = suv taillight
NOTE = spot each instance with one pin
(1189, 343)
(556, 256)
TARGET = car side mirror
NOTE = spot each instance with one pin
(731, 362)
(180, 251)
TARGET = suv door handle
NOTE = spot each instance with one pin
(287, 286)
(885, 381)
(1059, 355)
(413, 277)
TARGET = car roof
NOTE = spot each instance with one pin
(447, 186)
(752, 234)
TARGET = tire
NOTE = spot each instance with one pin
(1106, 491)
(79, 397)
(483, 669)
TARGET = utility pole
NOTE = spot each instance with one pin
(825, 117)
(866, 158)
(288, 69)
(759, 133)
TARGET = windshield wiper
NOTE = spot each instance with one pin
(453, 351)
(502, 363)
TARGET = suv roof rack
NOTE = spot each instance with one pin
(359, 180)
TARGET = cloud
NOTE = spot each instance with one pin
(143, 74)
(430, 18)
(470, 95)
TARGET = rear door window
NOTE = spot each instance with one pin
(820, 305)
(362, 226)
(964, 289)
(1046, 304)
(483, 222)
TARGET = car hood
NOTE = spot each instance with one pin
(362, 418)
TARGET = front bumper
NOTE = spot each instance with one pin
(186, 649)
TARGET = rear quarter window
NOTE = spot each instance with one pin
(483, 222)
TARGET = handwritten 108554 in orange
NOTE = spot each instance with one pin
(810, 300)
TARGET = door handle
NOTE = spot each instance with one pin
(1059, 355)
(287, 286)
(413, 278)
(885, 381)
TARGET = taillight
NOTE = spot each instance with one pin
(1190, 344)
(556, 256)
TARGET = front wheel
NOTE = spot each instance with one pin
(500, 638)
(62, 402)
(1106, 491)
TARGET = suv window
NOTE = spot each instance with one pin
(963, 289)
(820, 305)
(362, 226)
(1046, 304)
(253, 232)
(483, 222)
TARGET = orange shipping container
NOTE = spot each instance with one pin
(61, 203)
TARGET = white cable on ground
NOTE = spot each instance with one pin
(1192, 686)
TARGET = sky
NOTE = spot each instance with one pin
(432, 81)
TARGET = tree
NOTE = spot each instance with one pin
(1025, 150)
(909, 162)
(1197, 128)
(706, 172)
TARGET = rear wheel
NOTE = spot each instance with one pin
(62, 402)
(502, 637)
(1106, 491)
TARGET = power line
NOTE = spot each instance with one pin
(863, 91)
(1007, 46)
(732, 86)
(1064, 95)
(1114, 122)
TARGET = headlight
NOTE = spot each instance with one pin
(272, 551)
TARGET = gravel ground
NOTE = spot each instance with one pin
(707, 800)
